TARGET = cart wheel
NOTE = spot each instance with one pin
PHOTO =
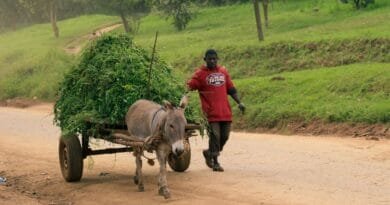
(71, 159)
(181, 163)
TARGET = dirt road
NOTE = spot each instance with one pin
(260, 169)
(76, 45)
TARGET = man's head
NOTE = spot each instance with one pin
(211, 58)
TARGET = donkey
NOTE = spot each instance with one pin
(146, 118)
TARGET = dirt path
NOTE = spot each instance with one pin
(260, 169)
(75, 46)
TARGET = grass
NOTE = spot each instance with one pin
(291, 56)
(234, 27)
(353, 93)
(32, 61)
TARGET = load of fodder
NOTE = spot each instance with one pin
(112, 74)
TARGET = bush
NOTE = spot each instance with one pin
(112, 75)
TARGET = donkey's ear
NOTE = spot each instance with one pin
(184, 102)
(167, 105)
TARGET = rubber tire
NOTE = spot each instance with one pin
(71, 158)
(180, 164)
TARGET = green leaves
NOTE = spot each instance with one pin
(179, 10)
(112, 75)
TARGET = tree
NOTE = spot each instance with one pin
(265, 9)
(134, 9)
(53, 17)
(9, 14)
(256, 7)
(358, 4)
(17, 13)
(26, 11)
(179, 10)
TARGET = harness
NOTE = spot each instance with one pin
(150, 142)
(155, 114)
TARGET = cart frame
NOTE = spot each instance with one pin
(72, 152)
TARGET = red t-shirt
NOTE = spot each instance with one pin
(213, 86)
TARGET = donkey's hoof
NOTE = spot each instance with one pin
(167, 195)
(163, 191)
(136, 180)
(141, 188)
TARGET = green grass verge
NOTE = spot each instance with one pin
(234, 28)
(291, 56)
(32, 61)
(353, 93)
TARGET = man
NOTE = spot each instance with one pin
(214, 85)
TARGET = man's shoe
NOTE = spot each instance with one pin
(217, 168)
(207, 157)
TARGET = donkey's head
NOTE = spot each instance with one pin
(174, 127)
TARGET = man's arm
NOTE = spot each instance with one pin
(194, 82)
(231, 90)
(233, 93)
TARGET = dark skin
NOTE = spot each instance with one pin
(211, 63)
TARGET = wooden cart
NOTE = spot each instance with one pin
(72, 152)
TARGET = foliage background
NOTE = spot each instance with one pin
(304, 39)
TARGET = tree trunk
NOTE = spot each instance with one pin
(258, 20)
(265, 8)
(357, 4)
(125, 22)
(53, 18)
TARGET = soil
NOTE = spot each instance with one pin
(259, 169)
(318, 127)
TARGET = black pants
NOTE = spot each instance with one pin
(218, 136)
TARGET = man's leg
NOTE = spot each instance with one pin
(213, 133)
(215, 145)
(214, 138)
(225, 132)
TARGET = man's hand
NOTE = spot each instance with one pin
(241, 106)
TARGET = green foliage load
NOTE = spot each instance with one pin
(113, 73)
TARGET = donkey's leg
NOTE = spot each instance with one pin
(162, 153)
(138, 179)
